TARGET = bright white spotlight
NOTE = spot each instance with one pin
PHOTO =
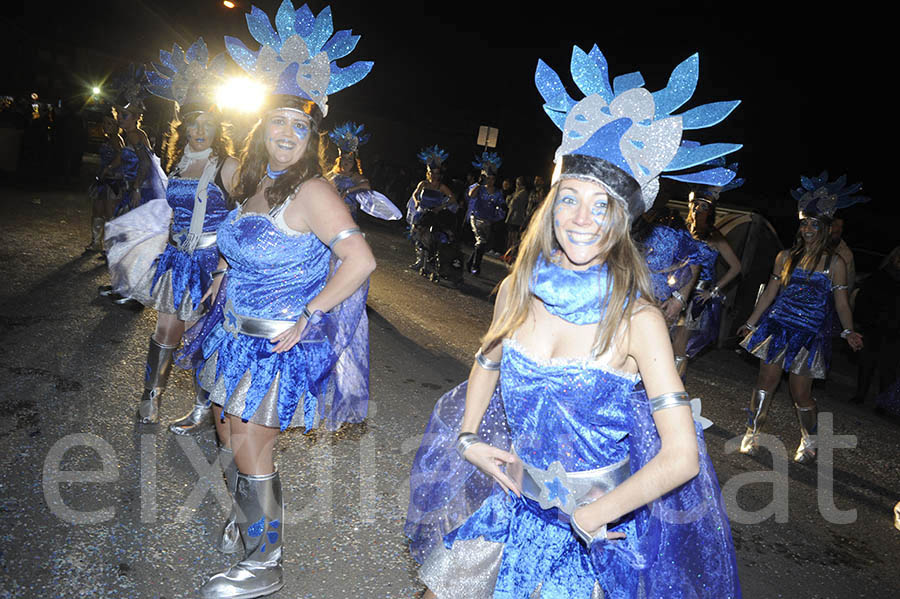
(95, 90)
(241, 94)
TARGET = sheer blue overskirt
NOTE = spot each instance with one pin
(133, 241)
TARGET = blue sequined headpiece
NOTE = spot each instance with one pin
(348, 137)
(816, 197)
(187, 78)
(129, 88)
(626, 137)
(488, 162)
(297, 58)
(711, 193)
(434, 156)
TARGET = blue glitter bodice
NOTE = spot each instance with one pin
(107, 155)
(487, 206)
(666, 248)
(180, 196)
(570, 410)
(129, 163)
(707, 256)
(806, 301)
(272, 274)
(343, 183)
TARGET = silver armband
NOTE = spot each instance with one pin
(836, 287)
(216, 273)
(307, 314)
(669, 400)
(486, 362)
(846, 333)
(585, 536)
(677, 295)
(752, 327)
(343, 235)
(465, 441)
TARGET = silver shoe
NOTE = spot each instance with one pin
(199, 419)
(231, 536)
(760, 401)
(808, 419)
(259, 573)
(159, 363)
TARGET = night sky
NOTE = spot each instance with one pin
(812, 82)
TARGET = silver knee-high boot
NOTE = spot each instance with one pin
(231, 536)
(199, 419)
(760, 401)
(808, 419)
(259, 573)
(159, 363)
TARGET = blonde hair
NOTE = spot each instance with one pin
(628, 280)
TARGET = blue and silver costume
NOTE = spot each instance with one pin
(576, 425)
(669, 254)
(703, 319)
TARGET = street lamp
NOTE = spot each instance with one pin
(228, 4)
(240, 94)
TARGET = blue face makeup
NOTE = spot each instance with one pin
(811, 222)
(301, 130)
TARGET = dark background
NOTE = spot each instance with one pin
(814, 81)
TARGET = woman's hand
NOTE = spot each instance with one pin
(288, 339)
(671, 309)
(582, 517)
(855, 340)
(213, 289)
(704, 295)
(488, 459)
(743, 331)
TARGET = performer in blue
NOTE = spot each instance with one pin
(347, 174)
(790, 328)
(599, 490)
(699, 326)
(202, 172)
(107, 186)
(486, 207)
(286, 343)
(431, 212)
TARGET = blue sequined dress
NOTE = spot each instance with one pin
(153, 186)
(273, 273)
(476, 542)
(669, 253)
(703, 319)
(795, 331)
(178, 280)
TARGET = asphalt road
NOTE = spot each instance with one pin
(93, 506)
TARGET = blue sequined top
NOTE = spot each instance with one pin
(180, 196)
(707, 256)
(487, 206)
(130, 163)
(669, 254)
(806, 301)
(577, 404)
(273, 273)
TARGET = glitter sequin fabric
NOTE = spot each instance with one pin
(703, 319)
(153, 186)
(795, 332)
(487, 206)
(179, 279)
(669, 254)
(573, 295)
(273, 274)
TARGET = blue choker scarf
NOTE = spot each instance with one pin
(274, 174)
(573, 295)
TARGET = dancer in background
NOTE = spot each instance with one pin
(700, 325)
(347, 173)
(790, 328)
(106, 189)
(433, 209)
(585, 464)
(486, 206)
(286, 343)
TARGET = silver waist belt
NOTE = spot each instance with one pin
(265, 328)
(554, 487)
(176, 239)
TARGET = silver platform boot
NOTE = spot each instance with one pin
(259, 573)
(231, 536)
(760, 401)
(159, 363)
(808, 419)
(199, 419)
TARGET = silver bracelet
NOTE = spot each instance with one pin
(715, 291)
(669, 400)
(585, 536)
(486, 362)
(677, 295)
(343, 235)
(217, 272)
(307, 314)
(846, 333)
(465, 441)
(752, 327)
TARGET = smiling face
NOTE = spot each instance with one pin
(201, 132)
(811, 229)
(286, 137)
(580, 222)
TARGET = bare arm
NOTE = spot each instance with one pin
(677, 461)
(229, 174)
(734, 264)
(771, 291)
(842, 304)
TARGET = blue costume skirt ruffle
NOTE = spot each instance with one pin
(326, 373)
(178, 282)
(705, 326)
(677, 547)
(797, 350)
(133, 242)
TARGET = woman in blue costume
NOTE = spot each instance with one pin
(790, 328)
(700, 325)
(431, 213)
(486, 207)
(599, 491)
(105, 189)
(286, 342)
(202, 172)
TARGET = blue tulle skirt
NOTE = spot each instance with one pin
(796, 349)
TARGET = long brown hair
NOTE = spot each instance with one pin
(693, 226)
(807, 255)
(254, 159)
(177, 140)
(627, 270)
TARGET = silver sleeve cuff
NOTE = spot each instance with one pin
(486, 362)
(669, 400)
(585, 536)
(343, 235)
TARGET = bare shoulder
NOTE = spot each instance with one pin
(318, 190)
(646, 315)
(782, 257)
